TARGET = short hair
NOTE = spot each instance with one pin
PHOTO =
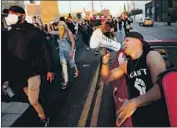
(62, 18)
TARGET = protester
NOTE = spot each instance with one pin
(69, 16)
(145, 105)
(4, 52)
(71, 25)
(85, 34)
(29, 59)
(127, 25)
(109, 31)
(120, 24)
(66, 52)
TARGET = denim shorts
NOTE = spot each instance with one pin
(64, 50)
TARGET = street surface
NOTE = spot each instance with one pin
(83, 103)
(157, 32)
(66, 106)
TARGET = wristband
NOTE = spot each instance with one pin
(105, 63)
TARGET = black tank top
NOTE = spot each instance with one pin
(139, 82)
(138, 76)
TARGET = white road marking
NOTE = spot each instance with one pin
(97, 105)
(153, 38)
(87, 105)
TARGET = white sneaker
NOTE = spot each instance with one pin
(87, 48)
(64, 85)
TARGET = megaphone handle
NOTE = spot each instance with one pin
(102, 51)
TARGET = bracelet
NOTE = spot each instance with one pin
(105, 63)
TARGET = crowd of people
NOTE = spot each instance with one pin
(31, 48)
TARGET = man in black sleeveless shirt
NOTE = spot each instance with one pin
(145, 105)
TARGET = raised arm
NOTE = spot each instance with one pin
(111, 75)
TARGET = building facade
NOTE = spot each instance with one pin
(158, 10)
(7, 4)
(173, 10)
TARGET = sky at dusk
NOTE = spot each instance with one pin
(116, 7)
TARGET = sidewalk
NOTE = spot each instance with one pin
(11, 112)
(165, 23)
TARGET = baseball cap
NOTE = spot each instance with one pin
(15, 9)
(139, 36)
(97, 23)
(108, 23)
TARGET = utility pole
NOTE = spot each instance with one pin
(101, 4)
(69, 6)
(92, 6)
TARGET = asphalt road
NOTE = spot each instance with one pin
(66, 106)
(157, 32)
(77, 105)
(161, 32)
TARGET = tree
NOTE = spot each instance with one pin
(125, 10)
(99, 14)
(79, 16)
(136, 12)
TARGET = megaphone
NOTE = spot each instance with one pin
(99, 40)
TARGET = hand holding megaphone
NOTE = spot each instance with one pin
(99, 40)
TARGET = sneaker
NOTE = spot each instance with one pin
(87, 48)
(76, 74)
(96, 53)
(64, 85)
(45, 122)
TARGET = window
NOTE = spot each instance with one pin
(147, 18)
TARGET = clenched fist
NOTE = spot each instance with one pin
(106, 58)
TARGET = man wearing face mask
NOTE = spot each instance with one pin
(29, 58)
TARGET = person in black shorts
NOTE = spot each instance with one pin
(144, 104)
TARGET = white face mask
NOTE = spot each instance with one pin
(11, 19)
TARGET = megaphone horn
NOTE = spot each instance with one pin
(99, 40)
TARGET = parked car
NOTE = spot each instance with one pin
(147, 21)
